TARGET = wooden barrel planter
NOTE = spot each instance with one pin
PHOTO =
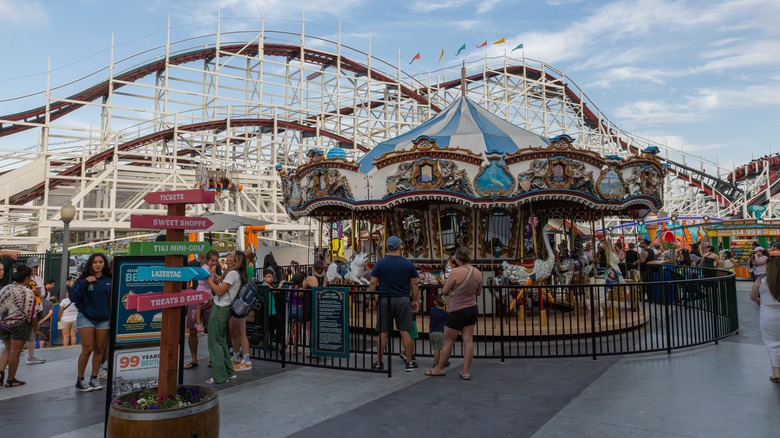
(198, 420)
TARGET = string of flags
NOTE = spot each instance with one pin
(463, 47)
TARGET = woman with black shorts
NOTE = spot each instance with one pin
(465, 281)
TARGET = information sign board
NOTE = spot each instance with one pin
(330, 326)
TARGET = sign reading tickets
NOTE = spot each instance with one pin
(330, 327)
(134, 326)
(134, 370)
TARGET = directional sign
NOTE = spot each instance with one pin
(164, 273)
(155, 222)
(181, 197)
(155, 301)
(168, 248)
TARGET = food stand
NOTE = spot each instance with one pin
(739, 235)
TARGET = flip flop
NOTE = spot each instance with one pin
(13, 382)
(433, 372)
(465, 376)
(191, 365)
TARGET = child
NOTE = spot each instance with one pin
(436, 329)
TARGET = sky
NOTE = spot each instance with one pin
(701, 75)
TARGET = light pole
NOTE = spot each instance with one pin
(67, 213)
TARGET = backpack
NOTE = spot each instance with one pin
(245, 301)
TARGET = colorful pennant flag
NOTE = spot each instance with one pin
(442, 55)
(462, 48)
(417, 56)
(519, 46)
(482, 45)
(501, 41)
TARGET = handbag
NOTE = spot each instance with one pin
(455, 291)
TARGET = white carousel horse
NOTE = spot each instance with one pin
(600, 297)
(352, 272)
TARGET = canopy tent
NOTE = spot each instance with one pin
(463, 124)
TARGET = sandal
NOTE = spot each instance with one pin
(13, 382)
(433, 372)
(465, 376)
(211, 381)
(191, 365)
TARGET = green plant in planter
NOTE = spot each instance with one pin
(148, 400)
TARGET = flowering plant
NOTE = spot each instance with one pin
(147, 399)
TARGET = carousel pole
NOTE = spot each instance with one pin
(322, 236)
(542, 291)
(441, 242)
(533, 231)
(523, 224)
(384, 234)
(354, 236)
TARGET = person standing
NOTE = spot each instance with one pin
(44, 322)
(438, 316)
(398, 282)
(39, 290)
(224, 294)
(195, 312)
(758, 262)
(316, 279)
(237, 326)
(766, 293)
(92, 296)
(18, 318)
(464, 286)
(67, 320)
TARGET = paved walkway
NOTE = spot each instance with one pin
(711, 391)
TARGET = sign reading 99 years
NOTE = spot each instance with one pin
(330, 328)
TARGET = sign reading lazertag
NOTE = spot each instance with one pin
(168, 248)
(155, 222)
(162, 273)
(181, 197)
(330, 328)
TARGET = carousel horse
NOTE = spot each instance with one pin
(526, 276)
(612, 277)
(578, 264)
(352, 272)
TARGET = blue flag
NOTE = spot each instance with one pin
(462, 48)
(519, 46)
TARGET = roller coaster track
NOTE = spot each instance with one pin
(168, 135)
(72, 103)
(724, 192)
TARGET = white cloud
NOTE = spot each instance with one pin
(428, 6)
(20, 12)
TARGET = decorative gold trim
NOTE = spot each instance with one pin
(422, 179)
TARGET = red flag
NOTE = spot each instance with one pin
(482, 45)
(417, 56)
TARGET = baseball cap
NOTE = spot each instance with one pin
(758, 248)
(393, 242)
(33, 262)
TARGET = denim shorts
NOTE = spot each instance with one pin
(84, 322)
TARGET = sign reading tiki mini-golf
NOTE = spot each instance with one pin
(168, 248)
(330, 328)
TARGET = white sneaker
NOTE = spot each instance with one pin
(35, 360)
(83, 386)
(246, 366)
(95, 384)
(103, 374)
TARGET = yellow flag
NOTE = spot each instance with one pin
(501, 41)
(442, 55)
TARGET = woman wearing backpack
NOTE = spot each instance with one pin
(224, 294)
(237, 327)
(19, 318)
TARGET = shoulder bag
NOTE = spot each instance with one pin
(456, 290)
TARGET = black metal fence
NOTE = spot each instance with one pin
(679, 307)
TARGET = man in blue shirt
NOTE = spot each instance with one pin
(398, 283)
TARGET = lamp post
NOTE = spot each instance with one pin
(67, 213)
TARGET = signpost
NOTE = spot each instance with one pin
(161, 273)
(171, 222)
(181, 197)
(168, 248)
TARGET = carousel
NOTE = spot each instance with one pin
(518, 201)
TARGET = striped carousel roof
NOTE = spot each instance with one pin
(463, 124)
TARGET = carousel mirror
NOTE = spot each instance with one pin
(455, 226)
(414, 235)
(497, 233)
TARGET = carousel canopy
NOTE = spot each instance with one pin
(463, 124)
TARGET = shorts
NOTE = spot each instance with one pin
(204, 317)
(296, 313)
(437, 340)
(20, 333)
(84, 322)
(66, 325)
(400, 311)
(462, 318)
(44, 333)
